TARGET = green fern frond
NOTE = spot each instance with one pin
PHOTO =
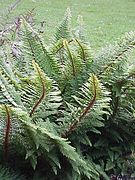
(79, 31)
(64, 31)
(93, 90)
(8, 92)
(92, 101)
(114, 58)
(35, 49)
(37, 134)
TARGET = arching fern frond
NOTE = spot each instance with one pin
(34, 48)
(64, 31)
(8, 93)
(79, 31)
(42, 82)
(40, 95)
(93, 99)
(114, 59)
(37, 138)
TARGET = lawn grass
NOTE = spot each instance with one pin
(105, 20)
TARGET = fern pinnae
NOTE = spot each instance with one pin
(54, 63)
(32, 50)
(39, 51)
(112, 63)
(7, 131)
(43, 89)
(117, 53)
(64, 29)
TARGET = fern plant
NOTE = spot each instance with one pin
(7, 174)
(63, 110)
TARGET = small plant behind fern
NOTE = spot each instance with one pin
(66, 113)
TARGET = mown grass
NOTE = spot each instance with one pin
(105, 20)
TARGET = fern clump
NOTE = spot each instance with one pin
(66, 113)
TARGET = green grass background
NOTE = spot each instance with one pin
(105, 20)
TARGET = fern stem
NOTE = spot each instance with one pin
(83, 53)
(74, 125)
(71, 40)
(42, 95)
(90, 105)
(6, 139)
(70, 56)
